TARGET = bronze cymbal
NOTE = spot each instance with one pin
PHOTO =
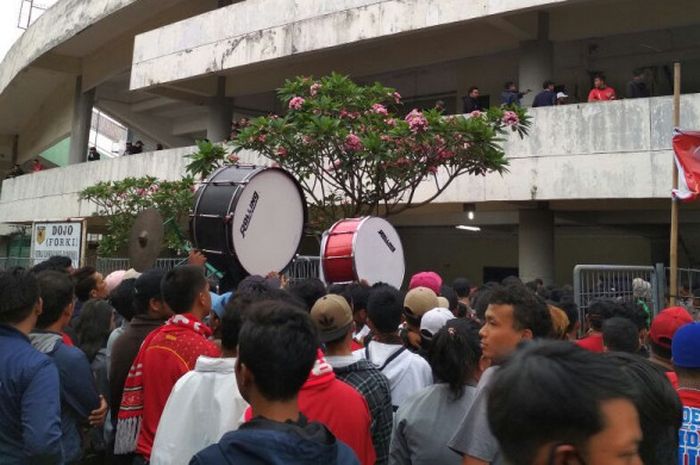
(146, 239)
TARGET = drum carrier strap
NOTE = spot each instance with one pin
(389, 359)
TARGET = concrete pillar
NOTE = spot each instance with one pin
(80, 125)
(536, 245)
(535, 63)
(220, 114)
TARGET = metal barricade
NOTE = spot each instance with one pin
(688, 292)
(304, 266)
(107, 265)
(614, 282)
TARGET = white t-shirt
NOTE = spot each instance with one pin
(407, 373)
(203, 405)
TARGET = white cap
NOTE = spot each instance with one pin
(561, 95)
(433, 320)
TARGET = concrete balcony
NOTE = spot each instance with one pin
(615, 150)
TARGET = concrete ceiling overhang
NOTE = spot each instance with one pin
(65, 40)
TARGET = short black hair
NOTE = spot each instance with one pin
(480, 301)
(599, 311)
(180, 287)
(451, 296)
(571, 310)
(462, 287)
(85, 282)
(600, 76)
(55, 263)
(308, 290)
(472, 89)
(278, 344)
(551, 392)
(529, 310)
(122, 299)
(634, 311)
(19, 292)
(660, 410)
(620, 335)
(660, 351)
(57, 292)
(357, 295)
(508, 85)
(547, 83)
(147, 287)
(93, 326)
(230, 327)
(384, 308)
(454, 354)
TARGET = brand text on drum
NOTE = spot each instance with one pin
(249, 214)
(386, 240)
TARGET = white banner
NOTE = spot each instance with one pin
(65, 239)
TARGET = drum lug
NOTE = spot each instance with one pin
(215, 252)
(204, 215)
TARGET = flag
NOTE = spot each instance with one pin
(686, 147)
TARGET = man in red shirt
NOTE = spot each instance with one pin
(663, 327)
(166, 354)
(601, 92)
(686, 361)
(597, 313)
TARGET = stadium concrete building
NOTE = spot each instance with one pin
(590, 185)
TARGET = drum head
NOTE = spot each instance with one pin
(379, 253)
(268, 222)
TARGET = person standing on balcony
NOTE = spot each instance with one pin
(93, 154)
(637, 88)
(37, 166)
(601, 92)
(547, 97)
(471, 101)
(511, 95)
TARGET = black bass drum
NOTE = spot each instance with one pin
(248, 219)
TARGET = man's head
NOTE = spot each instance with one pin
(309, 290)
(20, 301)
(462, 287)
(418, 301)
(89, 284)
(357, 295)
(555, 403)
(122, 299)
(57, 293)
(332, 316)
(186, 290)
(514, 314)
(510, 86)
(548, 85)
(384, 309)
(599, 311)
(454, 354)
(231, 322)
(571, 310)
(660, 410)
(473, 92)
(663, 327)
(277, 348)
(599, 81)
(452, 299)
(148, 298)
(56, 263)
(638, 74)
(620, 335)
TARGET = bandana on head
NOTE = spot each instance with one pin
(131, 406)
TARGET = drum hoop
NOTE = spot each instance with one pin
(363, 220)
(193, 224)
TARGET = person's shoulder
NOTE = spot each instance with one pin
(346, 456)
(69, 354)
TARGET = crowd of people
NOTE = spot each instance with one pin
(552, 95)
(155, 367)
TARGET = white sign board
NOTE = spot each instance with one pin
(65, 239)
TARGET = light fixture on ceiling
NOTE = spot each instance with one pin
(470, 210)
(464, 227)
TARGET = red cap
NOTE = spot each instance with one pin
(666, 323)
(428, 279)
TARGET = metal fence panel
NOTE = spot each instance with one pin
(11, 262)
(614, 282)
(304, 266)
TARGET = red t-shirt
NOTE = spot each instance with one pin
(172, 352)
(601, 95)
(689, 434)
(673, 378)
(594, 342)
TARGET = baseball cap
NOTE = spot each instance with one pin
(418, 301)
(218, 303)
(686, 346)
(562, 95)
(428, 279)
(443, 302)
(332, 316)
(666, 323)
(147, 286)
(433, 320)
(114, 279)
